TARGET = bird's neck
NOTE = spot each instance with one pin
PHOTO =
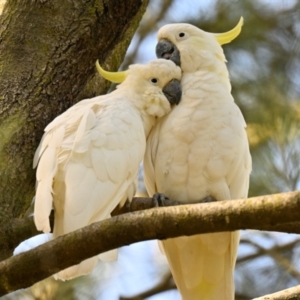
(209, 83)
(148, 122)
(210, 66)
(140, 108)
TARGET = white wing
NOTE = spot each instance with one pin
(88, 164)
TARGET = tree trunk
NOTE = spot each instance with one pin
(48, 51)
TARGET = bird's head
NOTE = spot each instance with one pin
(190, 47)
(157, 84)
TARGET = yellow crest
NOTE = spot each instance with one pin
(116, 77)
(227, 37)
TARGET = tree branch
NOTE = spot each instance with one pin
(22, 229)
(18, 230)
(279, 259)
(270, 212)
(262, 251)
(166, 284)
(288, 294)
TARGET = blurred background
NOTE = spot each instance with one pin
(264, 66)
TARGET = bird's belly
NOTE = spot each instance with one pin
(195, 153)
(183, 175)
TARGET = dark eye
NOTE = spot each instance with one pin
(154, 80)
(181, 34)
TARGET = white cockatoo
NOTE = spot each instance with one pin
(200, 150)
(88, 159)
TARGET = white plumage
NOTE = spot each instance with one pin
(88, 159)
(33, 242)
(200, 149)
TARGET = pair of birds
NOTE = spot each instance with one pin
(88, 159)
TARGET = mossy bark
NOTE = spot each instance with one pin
(48, 51)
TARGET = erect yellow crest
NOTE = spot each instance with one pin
(227, 37)
(116, 77)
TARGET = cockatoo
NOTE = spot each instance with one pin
(89, 157)
(200, 150)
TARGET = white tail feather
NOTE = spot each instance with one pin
(43, 200)
(111, 255)
(84, 268)
(43, 206)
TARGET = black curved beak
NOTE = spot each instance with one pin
(173, 92)
(167, 50)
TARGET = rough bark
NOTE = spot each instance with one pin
(262, 213)
(24, 228)
(48, 51)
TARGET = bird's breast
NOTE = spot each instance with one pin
(196, 147)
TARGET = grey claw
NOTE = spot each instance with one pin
(128, 206)
(208, 199)
(159, 200)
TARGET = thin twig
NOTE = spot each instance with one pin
(288, 294)
(262, 251)
(166, 284)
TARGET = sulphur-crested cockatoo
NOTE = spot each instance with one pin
(88, 159)
(200, 150)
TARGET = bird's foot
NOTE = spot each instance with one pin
(127, 205)
(207, 199)
(159, 200)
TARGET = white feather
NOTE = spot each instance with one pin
(33, 243)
